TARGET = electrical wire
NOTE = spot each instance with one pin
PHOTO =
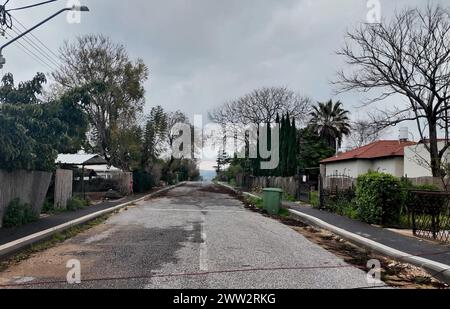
(33, 55)
(36, 48)
(36, 38)
(29, 6)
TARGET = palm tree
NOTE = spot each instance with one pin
(331, 122)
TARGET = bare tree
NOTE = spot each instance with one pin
(364, 132)
(263, 106)
(409, 56)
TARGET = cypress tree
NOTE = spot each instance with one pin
(283, 144)
(293, 150)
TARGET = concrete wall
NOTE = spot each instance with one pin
(393, 166)
(29, 187)
(125, 182)
(417, 161)
(63, 188)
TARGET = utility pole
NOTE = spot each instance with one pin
(74, 8)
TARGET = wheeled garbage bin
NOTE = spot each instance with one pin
(272, 200)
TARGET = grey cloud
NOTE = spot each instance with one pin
(204, 52)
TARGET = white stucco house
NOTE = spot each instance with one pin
(417, 160)
(382, 156)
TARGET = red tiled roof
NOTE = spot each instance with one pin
(380, 149)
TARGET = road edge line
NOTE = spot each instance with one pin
(17, 245)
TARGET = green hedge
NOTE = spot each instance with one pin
(379, 198)
(142, 182)
(76, 203)
(18, 214)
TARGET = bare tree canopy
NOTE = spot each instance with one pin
(409, 56)
(262, 106)
(364, 132)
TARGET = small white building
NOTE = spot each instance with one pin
(417, 160)
(382, 156)
(89, 163)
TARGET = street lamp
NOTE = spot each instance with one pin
(73, 8)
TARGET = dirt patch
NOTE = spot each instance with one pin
(395, 274)
(217, 190)
(55, 240)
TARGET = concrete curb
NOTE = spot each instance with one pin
(17, 245)
(437, 270)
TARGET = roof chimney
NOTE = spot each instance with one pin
(403, 134)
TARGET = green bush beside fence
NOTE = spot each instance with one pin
(75, 204)
(379, 198)
(18, 214)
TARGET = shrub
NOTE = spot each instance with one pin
(76, 203)
(113, 195)
(379, 198)
(315, 199)
(289, 198)
(257, 202)
(48, 207)
(18, 214)
(343, 203)
(142, 182)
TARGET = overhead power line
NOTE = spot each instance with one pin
(37, 44)
(36, 38)
(37, 48)
(33, 55)
(29, 6)
(22, 35)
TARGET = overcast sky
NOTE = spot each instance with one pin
(204, 52)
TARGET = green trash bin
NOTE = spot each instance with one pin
(272, 200)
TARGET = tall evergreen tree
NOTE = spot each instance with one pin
(292, 150)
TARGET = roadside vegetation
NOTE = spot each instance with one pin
(18, 214)
(378, 198)
(393, 273)
(83, 111)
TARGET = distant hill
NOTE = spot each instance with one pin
(208, 175)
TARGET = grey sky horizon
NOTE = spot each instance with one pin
(202, 53)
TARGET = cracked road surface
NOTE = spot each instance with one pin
(195, 236)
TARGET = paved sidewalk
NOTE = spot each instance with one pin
(410, 245)
(9, 235)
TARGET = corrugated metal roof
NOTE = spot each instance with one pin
(104, 168)
(80, 159)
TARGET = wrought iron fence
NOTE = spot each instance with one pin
(430, 215)
(335, 191)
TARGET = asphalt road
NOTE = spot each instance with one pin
(193, 237)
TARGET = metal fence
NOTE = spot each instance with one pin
(430, 215)
(336, 189)
(299, 187)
